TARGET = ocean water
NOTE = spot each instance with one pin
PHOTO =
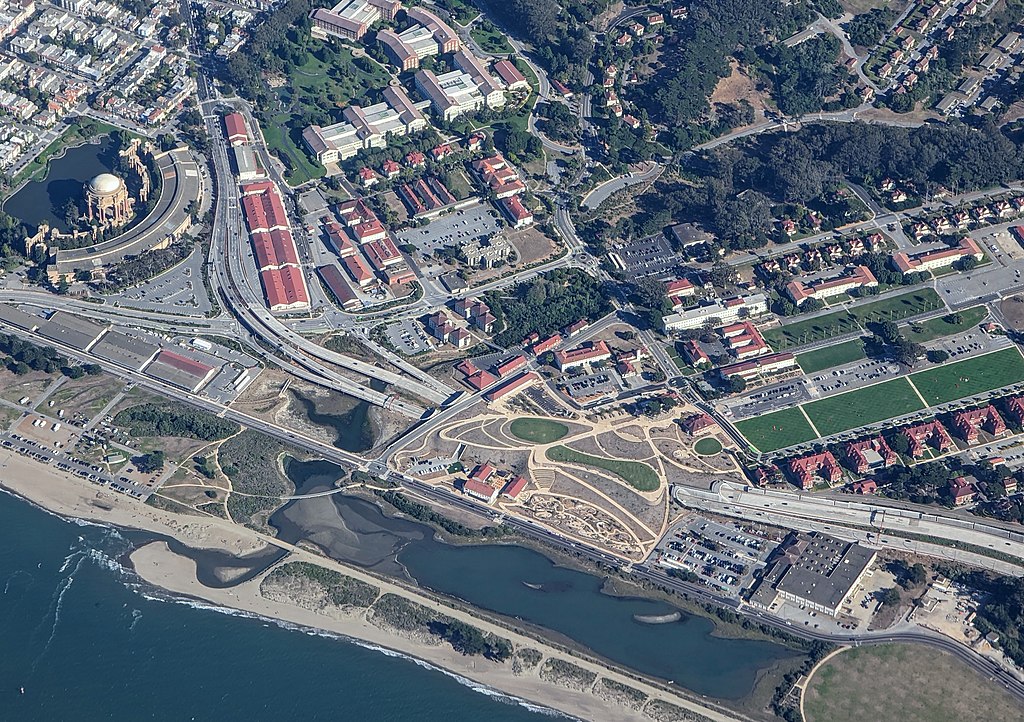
(82, 638)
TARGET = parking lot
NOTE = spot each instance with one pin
(180, 289)
(972, 343)
(851, 376)
(721, 556)
(408, 337)
(651, 256)
(453, 229)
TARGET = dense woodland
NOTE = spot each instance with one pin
(736, 191)
(546, 304)
(174, 420)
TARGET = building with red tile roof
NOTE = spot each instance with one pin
(869, 454)
(482, 472)
(510, 365)
(285, 289)
(513, 487)
(479, 490)
(744, 340)
(930, 433)
(415, 159)
(512, 386)
(962, 491)
(518, 214)
(968, 424)
(1013, 407)
(336, 283)
(857, 277)
(547, 344)
(358, 271)
(805, 469)
(510, 76)
(760, 366)
(235, 129)
(865, 486)
(499, 176)
(932, 260)
(587, 353)
(699, 424)
(398, 274)
(695, 355)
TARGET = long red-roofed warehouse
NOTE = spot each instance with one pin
(277, 258)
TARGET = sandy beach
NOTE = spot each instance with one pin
(157, 564)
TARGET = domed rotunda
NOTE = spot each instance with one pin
(108, 204)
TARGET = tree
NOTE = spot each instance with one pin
(889, 332)
(889, 597)
(148, 463)
(736, 384)
(967, 263)
(937, 356)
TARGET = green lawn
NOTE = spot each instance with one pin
(900, 681)
(330, 79)
(638, 475)
(972, 376)
(938, 327)
(776, 430)
(491, 41)
(897, 308)
(820, 328)
(864, 406)
(826, 358)
(538, 431)
(708, 447)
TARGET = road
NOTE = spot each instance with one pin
(610, 187)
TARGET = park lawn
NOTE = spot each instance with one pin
(826, 358)
(491, 41)
(899, 307)
(969, 377)
(638, 475)
(301, 167)
(938, 327)
(708, 446)
(903, 681)
(802, 333)
(776, 430)
(863, 406)
(538, 431)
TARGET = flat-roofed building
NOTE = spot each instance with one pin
(813, 570)
(458, 92)
(72, 331)
(350, 19)
(446, 38)
(181, 371)
(245, 163)
(363, 128)
(124, 350)
(19, 319)
(727, 311)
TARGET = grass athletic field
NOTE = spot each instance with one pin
(539, 431)
(829, 325)
(826, 358)
(638, 475)
(899, 681)
(973, 376)
(776, 430)
(863, 406)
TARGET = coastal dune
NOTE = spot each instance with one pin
(578, 687)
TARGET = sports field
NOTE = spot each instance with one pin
(826, 358)
(901, 681)
(863, 406)
(972, 376)
(802, 333)
(776, 430)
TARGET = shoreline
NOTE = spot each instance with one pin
(156, 564)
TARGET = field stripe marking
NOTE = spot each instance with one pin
(914, 386)
(811, 423)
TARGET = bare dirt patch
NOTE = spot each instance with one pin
(1012, 309)
(739, 86)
